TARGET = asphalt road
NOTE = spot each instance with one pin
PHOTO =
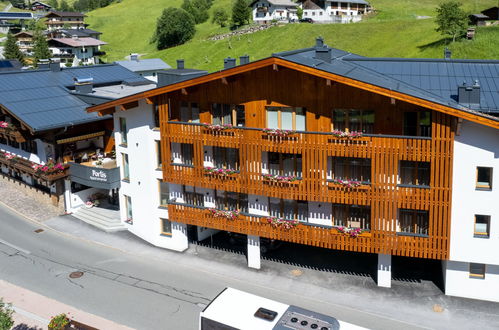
(128, 289)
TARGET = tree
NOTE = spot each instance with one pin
(40, 47)
(174, 27)
(220, 17)
(451, 19)
(11, 50)
(240, 13)
(53, 4)
(299, 12)
(198, 9)
(63, 6)
(6, 321)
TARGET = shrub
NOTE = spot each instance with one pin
(220, 17)
(174, 27)
(198, 9)
(6, 321)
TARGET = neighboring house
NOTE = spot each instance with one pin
(40, 6)
(24, 40)
(267, 11)
(492, 13)
(478, 19)
(146, 68)
(76, 51)
(56, 20)
(321, 147)
(10, 65)
(80, 33)
(43, 121)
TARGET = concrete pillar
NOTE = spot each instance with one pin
(67, 196)
(180, 241)
(385, 270)
(254, 252)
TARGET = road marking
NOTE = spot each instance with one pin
(14, 247)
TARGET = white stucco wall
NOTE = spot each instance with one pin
(476, 145)
(279, 13)
(143, 187)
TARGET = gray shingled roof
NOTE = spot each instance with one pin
(42, 99)
(429, 79)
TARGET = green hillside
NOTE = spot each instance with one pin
(395, 31)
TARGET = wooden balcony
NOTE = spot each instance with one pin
(25, 166)
(12, 134)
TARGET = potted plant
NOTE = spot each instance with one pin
(59, 322)
(277, 132)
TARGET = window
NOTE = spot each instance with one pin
(164, 192)
(123, 131)
(29, 146)
(417, 123)
(413, 222)
(228, 114)
(353, 120)
(159, 159)
(189, 112)
(349, 168)
(226, 200)
(192, 197)
(286, 118)
(128, 206)
(166, 227)
(482, 226)
(226, 158)
(484, 178)
(182, 153)
(285, 164)
(156, 115)
(353, 216)
(126, 169)
(414, 173)
(288, 209)
(477, 271)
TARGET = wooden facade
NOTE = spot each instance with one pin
(386, 147)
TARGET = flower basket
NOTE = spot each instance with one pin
(217, 128)
(49, 168)
(280, 178)
(229, 214)
(277, 132)
(352, 232)
(60, 322)
(282, 223)
(348, 135)
(219, 171)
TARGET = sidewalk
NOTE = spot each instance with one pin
(33, 311)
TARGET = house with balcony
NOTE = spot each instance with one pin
(50, 147)
(76, 50)
(24, 40)
(321, 147)
(268, 11)
(56, 20)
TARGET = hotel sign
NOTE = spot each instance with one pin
(103, 178)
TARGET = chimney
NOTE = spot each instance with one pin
(134, 57)
(447, 53)
(469, 94)
(180, 64)
(55, 65)
(322, 52)
(229, 62)
(43, 64)
(244, 60)
(84, 85)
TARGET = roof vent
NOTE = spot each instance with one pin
(84, 85)
(447, 53)
(229, 62)
(55, 65)
(180, 64)
(469, 94)
(43, 64)
(322, 51)
(134, 57)
(74, 37)
(244, 59)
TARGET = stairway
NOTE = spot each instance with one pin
(102, 218)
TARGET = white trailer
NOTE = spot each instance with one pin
(237, 310)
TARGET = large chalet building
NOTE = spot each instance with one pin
(321, 147)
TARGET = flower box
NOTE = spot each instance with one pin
(280, 178)
(277, 132)
(352, 232)
(228, 214)
(282, 223)
(347, 184)
(347, 135)
(216, 127)
(11, 131)
(219, 171)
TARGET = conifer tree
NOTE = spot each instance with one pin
(11, 50)
(40, 47)
(240, 13)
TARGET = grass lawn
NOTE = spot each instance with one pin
(394, 31)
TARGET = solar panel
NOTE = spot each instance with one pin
(15, 15)
(6, 64)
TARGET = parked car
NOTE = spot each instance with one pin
(306, 20)
(266, 244)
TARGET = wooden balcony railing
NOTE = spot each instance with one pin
(25, 166)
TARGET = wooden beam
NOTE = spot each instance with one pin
(184, 91)
(128, 106)
(393, 101)
(224, 81)
(149, 100)
(275, 67)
